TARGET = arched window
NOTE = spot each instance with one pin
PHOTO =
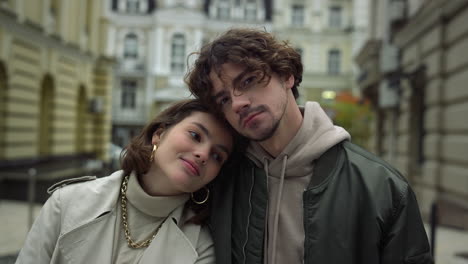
(178, 53)
(81, 120)
(131, 46)
(46, 111)
(3, 90)
(334, 61)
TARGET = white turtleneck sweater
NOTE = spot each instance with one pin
(144, 213)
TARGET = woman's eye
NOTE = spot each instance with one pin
(195, 135)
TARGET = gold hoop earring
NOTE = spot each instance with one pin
(204, 200)
(155, 147)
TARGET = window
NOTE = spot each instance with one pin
(297, 18)
(133, 6)
(250, 13)
(417, 109)
(178, 53)
(250, 10)
(131, 46)
(334, 62)
(334, 19)
(223, 10)
(128, 100)
(46, 110)
(115, 5)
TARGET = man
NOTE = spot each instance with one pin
(303, 193)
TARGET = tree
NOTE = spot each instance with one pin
(353, 114)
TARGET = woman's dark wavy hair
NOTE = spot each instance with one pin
(256, 50)
(136, 155)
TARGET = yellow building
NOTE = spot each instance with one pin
(55, 88)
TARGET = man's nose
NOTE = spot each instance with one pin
(240, 102)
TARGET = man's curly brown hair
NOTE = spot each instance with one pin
(256, 50)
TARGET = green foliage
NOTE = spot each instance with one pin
(355, 117)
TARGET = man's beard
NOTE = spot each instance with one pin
(270, 132)
(267, 134)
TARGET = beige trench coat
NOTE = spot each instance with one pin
(76, 225)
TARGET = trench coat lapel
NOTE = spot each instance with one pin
(171, 244)
(90, 243)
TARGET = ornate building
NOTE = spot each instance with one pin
(55, 88)
(327, 33)
(414, 69)
(152, 40)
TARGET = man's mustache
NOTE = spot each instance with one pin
(248, 111)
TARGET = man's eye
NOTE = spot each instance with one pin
(249, 80)
(195, 136)
(223, 101)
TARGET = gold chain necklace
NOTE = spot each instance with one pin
(130, 242)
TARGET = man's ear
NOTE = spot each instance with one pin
(157, 136)
(289, 82)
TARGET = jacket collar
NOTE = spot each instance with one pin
(88, 237)
(327, 165)
(96, 238)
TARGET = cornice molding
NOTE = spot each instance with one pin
(370, 49)
(431, 13)
(34, 33)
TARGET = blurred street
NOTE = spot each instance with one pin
(14, 225)
(80, 79)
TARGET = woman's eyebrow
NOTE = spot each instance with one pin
(208, 134)
(203, 128)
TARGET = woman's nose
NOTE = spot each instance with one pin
(201, 156)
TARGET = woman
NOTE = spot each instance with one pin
(150, 212)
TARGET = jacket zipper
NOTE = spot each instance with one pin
(248, 217)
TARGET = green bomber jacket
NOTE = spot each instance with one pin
(357, 210)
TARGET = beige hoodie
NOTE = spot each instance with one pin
(288, 175)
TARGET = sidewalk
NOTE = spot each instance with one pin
(14, 228)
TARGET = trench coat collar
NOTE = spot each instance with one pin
(92, 242)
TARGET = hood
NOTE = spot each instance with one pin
(315, 136)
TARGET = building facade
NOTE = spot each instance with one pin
(414, 69)
(327, 33)
(152, 41)
(55, 88)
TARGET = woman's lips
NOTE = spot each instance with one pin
(192, 167)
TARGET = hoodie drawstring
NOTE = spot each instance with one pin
(265, 240)
(277, 209)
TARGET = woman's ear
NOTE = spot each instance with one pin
(157, 136)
